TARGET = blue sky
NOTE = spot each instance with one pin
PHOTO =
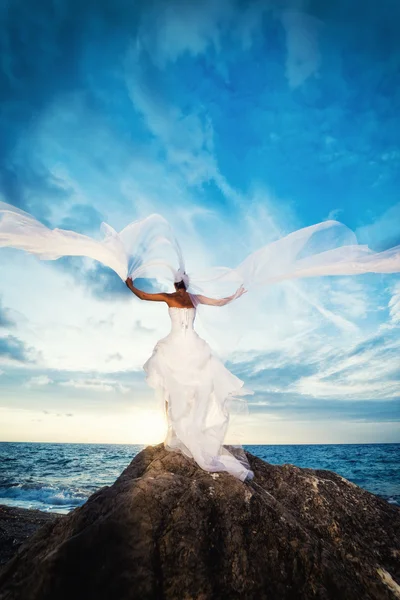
(239, 122)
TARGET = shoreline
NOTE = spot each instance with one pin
(17, 525)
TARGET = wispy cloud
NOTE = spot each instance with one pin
(394, 304)
(365, 370)
(97, 385)
(39, 380)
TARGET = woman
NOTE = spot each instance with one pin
(199, 392)
(194, 385)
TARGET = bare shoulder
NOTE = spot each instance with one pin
(170, 299)
(175, 300)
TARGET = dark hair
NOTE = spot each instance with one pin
(180, 285)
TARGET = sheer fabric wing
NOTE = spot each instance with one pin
(148, 249)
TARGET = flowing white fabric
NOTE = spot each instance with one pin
(199, 390)
(149, 249)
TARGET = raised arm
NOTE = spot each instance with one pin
(222, 301)
(144, 295)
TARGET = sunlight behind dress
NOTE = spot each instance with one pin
(200, 392)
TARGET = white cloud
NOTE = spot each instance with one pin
(97, 385)
(348, 297)
(175, 29)
(39, 380)
(348, 388)
(394, 304)
(187, 27)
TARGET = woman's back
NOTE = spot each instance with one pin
(182, 319)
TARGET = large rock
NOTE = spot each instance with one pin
(166, 529)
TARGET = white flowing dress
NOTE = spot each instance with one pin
(197, 388)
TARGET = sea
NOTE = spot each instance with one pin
(57, 477)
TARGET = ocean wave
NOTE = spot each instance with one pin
(43, 493)
(392, 500)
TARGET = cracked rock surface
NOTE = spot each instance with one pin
(168, 530)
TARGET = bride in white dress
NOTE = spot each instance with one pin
(198, 390)
(194, 384)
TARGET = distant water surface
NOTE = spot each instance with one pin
(60, 477)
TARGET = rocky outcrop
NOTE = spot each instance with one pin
(168, 530)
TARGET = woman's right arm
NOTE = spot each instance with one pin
(214, 302)
(162, 297)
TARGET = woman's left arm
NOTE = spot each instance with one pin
(222, 301)
(162, 297)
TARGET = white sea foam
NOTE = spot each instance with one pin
(47, 495)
